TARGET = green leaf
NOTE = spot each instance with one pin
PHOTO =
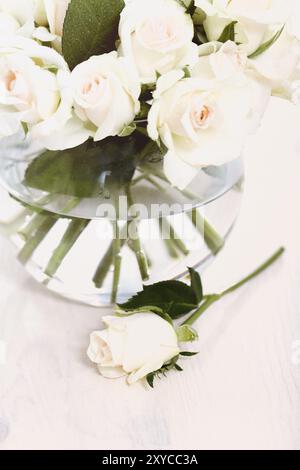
(150, 380)
(173, 297)
(200, 36)
(87, 170)
(147, 309)
(188, 354)
(90, 28)
(228, 33)
(191, 8)
(186, 333)
(266, 45)
(128, 130)
(178, 368)
(196, 284)
(187, 73)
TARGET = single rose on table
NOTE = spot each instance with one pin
(142, 341)
(133, 346)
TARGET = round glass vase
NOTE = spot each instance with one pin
(100, 247)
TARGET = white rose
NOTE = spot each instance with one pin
(17, 17)
(254, 18)
(20, 16)
(34, 88)
(204, 120)
(156, 36)
(134, 346)
(279, 62)
(257, 22)
(106, 94)
(221, 61)
(8, 24)
(51, 13)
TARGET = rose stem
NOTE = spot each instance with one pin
(117, 258)
(40, 226)
(32, 226)
(72, 234)
(175, 238)
(170, 237)
(108, 259)
(135, 242)
(37, 238)
(11, 227)
(162, 177)
(168, 242)
(213, 240)
(211, 299)
(40, 216)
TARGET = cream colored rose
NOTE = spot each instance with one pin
(204, 120)
(34, 88)
(106, 94)
(8, 24)
(279, 62)
(17, 17)
(56, 11)
(133, 346)
(51, 13)
(156, 37)
(255, 19)
(39, 19)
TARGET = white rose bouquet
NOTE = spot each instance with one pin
(193, 77)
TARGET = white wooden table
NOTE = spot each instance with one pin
(241, 392)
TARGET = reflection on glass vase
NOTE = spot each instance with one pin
(99, 247)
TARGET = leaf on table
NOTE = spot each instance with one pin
(173, 297)
(196, 284)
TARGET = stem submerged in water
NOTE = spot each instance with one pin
(213, 240)
(108, 259)
(211, 299)
(36, 239)
(117, 258)
(73, 232)
(135, 243)
(38, 228)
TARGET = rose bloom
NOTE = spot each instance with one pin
(279, 63)
(55, 12)
(32, 18)
(51, 13)
(156, 37)
(106, 94)
(17, 17)
(34, 88)
(133, 346)
(204, 120)
(255, 19)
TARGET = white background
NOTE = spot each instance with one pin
(241, 392)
